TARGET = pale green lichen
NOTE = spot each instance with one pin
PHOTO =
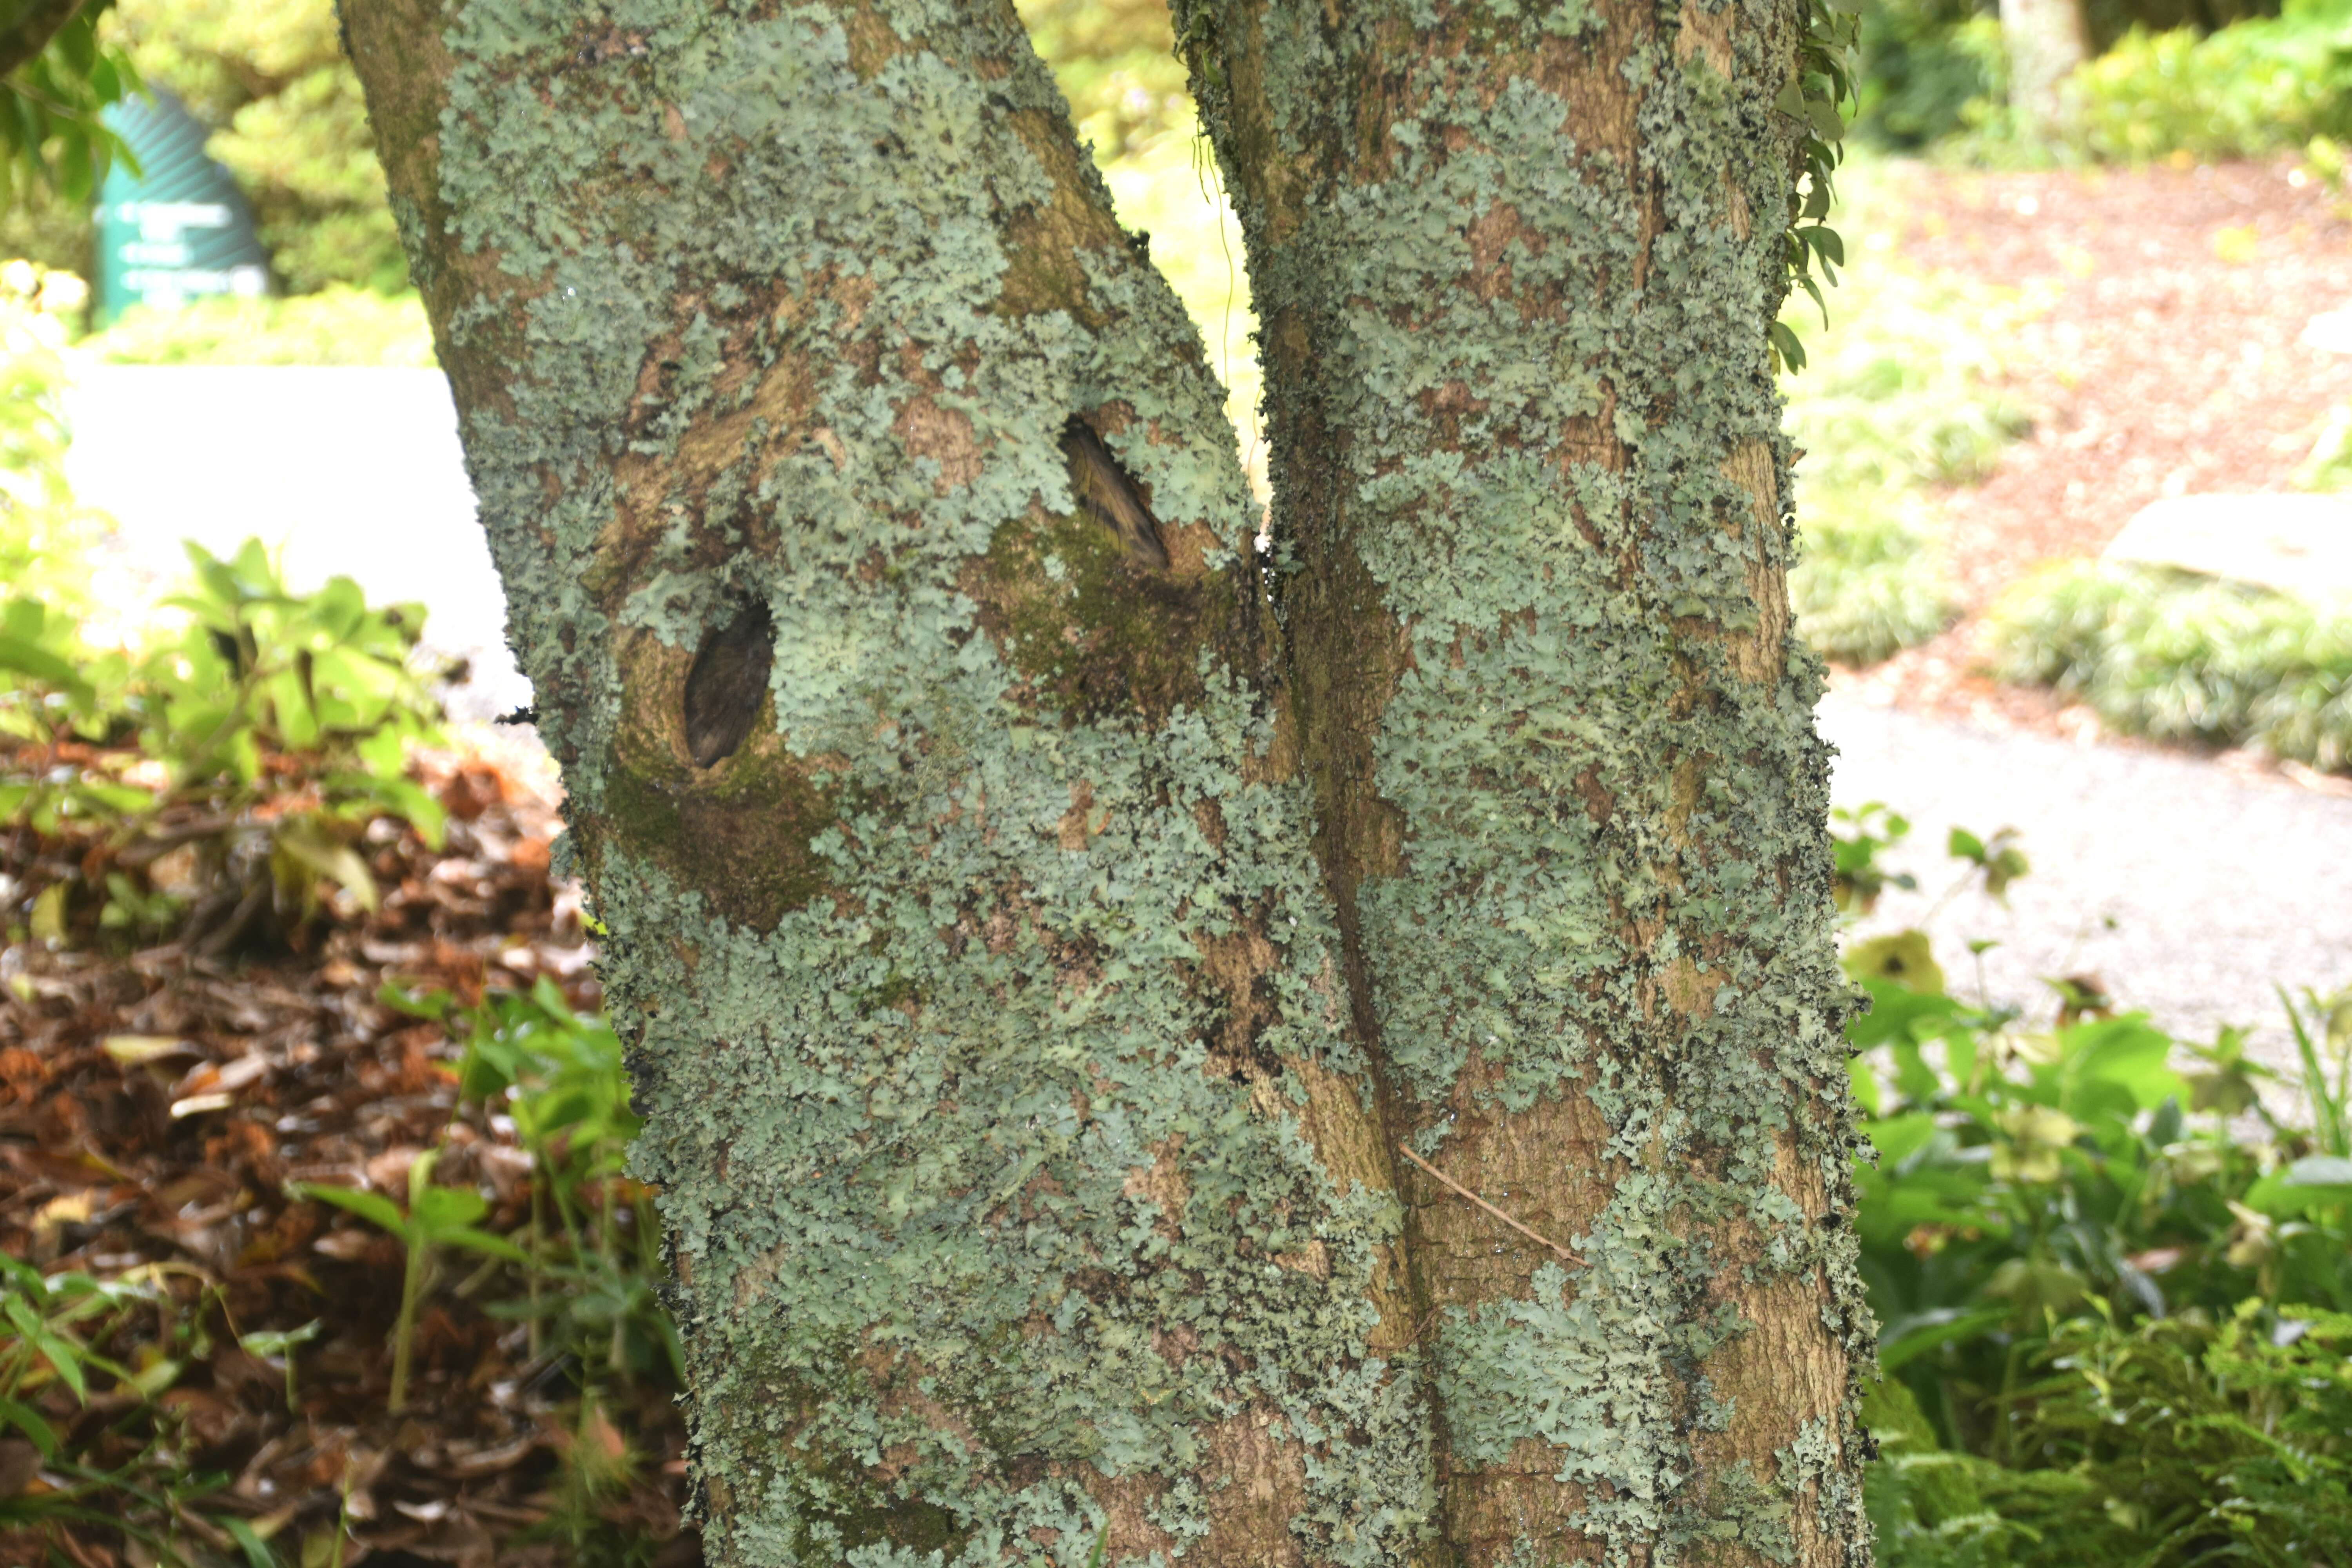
(1569, 721)
(978, 1213)
(972, 1211)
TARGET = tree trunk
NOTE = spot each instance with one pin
(1131, 1068)
(2046, 41)
(1514, 277)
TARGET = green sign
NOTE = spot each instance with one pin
(180, 229)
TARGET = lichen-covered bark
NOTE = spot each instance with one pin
(1128, 1077)
(1515, 264)
(1016, 1155)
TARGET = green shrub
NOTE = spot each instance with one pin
(2253, 88)
(2091, 1294)
(1932, 1507)
(1896, 401)
(338, 325)
(2179, 658)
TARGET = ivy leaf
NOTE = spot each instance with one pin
(1785, 346)
(1805, 281)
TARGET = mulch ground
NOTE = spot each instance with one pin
(280, 1067)
(2166, 363)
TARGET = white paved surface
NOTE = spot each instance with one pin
(350, 470)
(2217, 885)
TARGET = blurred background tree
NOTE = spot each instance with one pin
(272, 80)
(272, 83)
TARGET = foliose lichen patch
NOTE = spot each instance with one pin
(983, 992)
(1030, 1005)
(1515, 299)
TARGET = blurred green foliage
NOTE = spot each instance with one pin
(290, 125)
(255, 740)
(51, 138)
(1924, 63)
(2253, 88)
(338, 325)
(2181, 657)
(1900, 401)
(86, 1370)
(2199, 79)
(44, 534)
(1115, 62)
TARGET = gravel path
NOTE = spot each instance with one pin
(2218, 883)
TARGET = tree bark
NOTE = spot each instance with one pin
(1129, 1072)
(2046, 42)
(1514, 265)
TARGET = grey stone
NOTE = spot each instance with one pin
(2298, 544)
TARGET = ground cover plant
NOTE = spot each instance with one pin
(2181, 658)
(322, 1250)
(298, 1038)
(1899, 403)
(2112, 1326)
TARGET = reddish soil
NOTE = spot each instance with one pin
(2169, 362)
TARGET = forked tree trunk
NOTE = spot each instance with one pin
(1134, 1067)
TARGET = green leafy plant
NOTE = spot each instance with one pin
(1859, 878)
(1816, 98)
(2025, 1177)
(257, 741)
(435, 1218)
(2205, 1439)
(112, 1348)
(1923, 65)
(50, 131)
(593, 1237)
(2181, 658)
(2113, 1330)
(43, 532)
